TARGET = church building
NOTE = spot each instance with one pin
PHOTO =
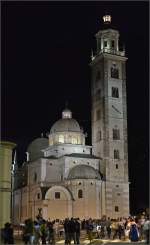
(64, 177)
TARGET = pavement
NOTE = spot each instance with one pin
(95, 242)
(84, 241)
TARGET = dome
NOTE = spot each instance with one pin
(65, 124)
(83, 172)
(66, 131)
(35, 147)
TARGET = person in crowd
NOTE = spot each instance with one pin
(133, 234)
(77, 231)
(66, 229)
(43, 232)
(141, 222)
(115, 228)
(26, 235)
(39, 219)
(7, 234)
(71, 230)
(36, 232)
(61, 229)
(125, 223)
(83, 224)
(108, 227)
(146, 229)
(127, 228)
(56, 228)
(50, 233)
(28, 231)
(89, 228)
(98, 231)
(102, 233)
(121, 229)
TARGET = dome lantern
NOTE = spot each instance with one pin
(107, 19)
(66, 113)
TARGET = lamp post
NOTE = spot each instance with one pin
(12, 194)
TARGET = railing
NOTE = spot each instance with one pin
(113, 51)
(110, 51)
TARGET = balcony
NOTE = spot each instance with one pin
(109, 51)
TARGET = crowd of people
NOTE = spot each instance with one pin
(47, 232)
(122, 228)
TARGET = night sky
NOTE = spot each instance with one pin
(46, 49)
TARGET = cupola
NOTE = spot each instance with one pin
(66, 130)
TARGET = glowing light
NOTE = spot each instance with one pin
(107, 18)
(74, 141)
(61, 139)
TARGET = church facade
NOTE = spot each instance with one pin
(63, 177)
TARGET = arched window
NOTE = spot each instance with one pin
(112, 43)
(74, 140)
(80, 194)
(38, 196)
(51, 141)
(116, 154)
(105, 44)
(115, 92)
(61, 139)
(114, 71)
(116, 134)
(116, 209)
(57, 195)
(79, 140)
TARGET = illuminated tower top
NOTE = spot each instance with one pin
(107, 19)
(108, 39)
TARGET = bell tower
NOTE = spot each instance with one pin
(109, 118)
